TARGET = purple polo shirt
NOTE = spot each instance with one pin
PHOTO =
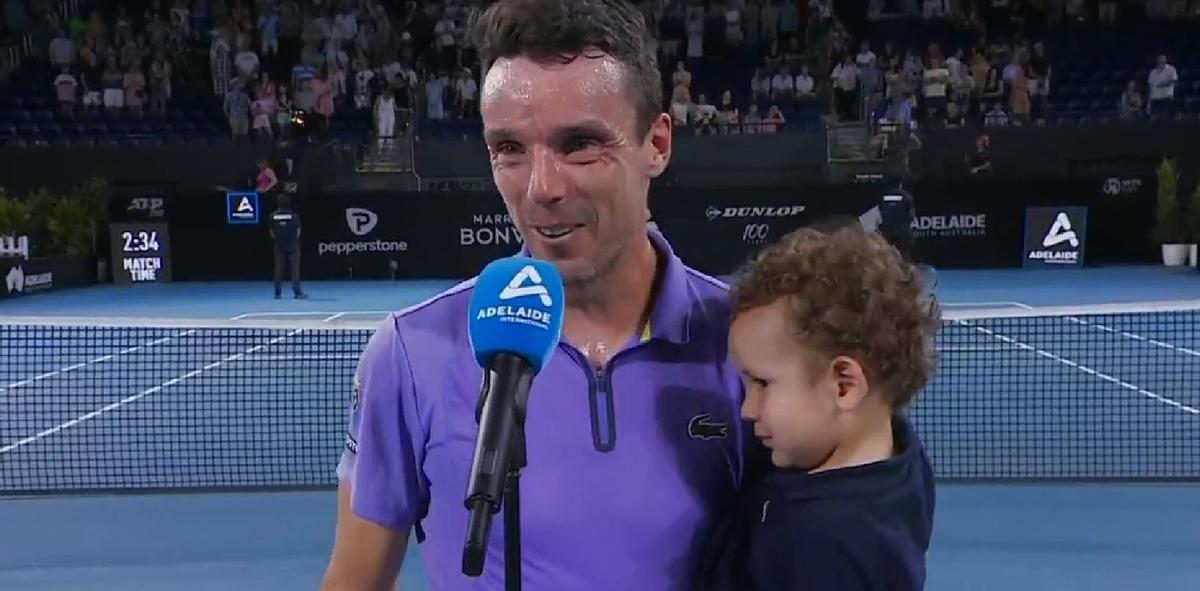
(627, 467)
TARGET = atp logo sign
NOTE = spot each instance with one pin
(516, 287)
(1055, 237)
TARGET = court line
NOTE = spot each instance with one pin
(101, 359)
(314, 357)
(140, 395)
(334, 317)
(1083, 368)
(1135, 336)
(1012, 304)
(344, 313)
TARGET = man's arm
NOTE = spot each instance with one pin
(381, 490)
(366, 556)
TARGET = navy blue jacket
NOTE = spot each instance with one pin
(864, 528)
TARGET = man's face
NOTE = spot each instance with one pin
(567, 159)
(793, 408)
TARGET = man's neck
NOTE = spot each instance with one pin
(617, 302)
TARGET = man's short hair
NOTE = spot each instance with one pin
(563, 29)
(849, 292)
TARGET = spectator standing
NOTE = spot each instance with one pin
(385, 116)
(769, 21)
(936, 82)
(727, 114)
(66, 88)
(466, 94)
(362, 83)
(681, 105)
(1020, 103)
(114, 86)
(845, 87)
(93, 86)
(219, 63)
(237, 111)
(160, 83)
(1162, 81)
(760, 85)
(268, 31)
(323, 88)
(247, 62)
(435, 96)
(62, 50)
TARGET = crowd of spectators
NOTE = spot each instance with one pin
(275, 67)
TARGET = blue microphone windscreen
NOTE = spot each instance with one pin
(517, 307)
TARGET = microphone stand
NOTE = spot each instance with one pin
(482, 508)
(512, 508)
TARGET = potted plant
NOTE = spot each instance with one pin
(1170, 227)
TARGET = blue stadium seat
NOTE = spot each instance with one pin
(97, 128)
(74, 129)
(51, 130)
(85, 141)
(185, 127)
(28, 130)
(16, 143)
(42, 116)
(8, 130)
(20, 116)
(61, 142)
(118, 128)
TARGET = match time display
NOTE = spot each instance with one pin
(141, 252)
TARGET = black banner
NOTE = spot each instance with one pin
(26, 277)
(382, 235)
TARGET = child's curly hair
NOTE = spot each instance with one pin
(849, 292)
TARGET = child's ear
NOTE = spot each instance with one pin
(851, 380)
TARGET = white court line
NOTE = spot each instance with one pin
(314, 357)
(144, 393)
(1012, 304)
(1083, 368)
(334, 317)
(100, 359)
(1135, 336)
(346, 313)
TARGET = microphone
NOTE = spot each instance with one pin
(514, 324)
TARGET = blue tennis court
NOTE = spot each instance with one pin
(189, 387)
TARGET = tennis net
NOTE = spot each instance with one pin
(1080, 393)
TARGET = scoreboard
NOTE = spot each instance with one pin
(141, 252)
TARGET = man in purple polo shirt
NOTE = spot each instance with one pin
(634, 441)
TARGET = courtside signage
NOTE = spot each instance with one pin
(1055, 237)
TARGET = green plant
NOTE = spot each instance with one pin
(69, 226)
(1170, 227)
(16, 216)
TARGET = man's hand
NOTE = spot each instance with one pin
(366, 556)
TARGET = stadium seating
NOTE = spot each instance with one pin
(1091, 65)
